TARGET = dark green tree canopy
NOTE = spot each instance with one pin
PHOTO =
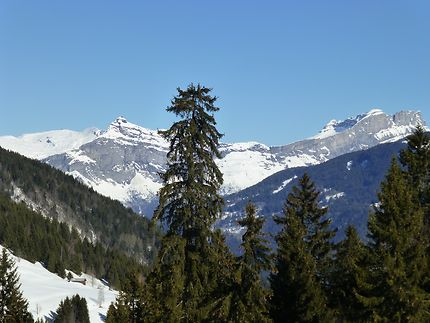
(189, 200)
(13, 306)
(73, 310)
(303, 202)
(303, 258)
(189, 204)
(399, 251)
(255, 246)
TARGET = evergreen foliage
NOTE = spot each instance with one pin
(252, 299)
(166, 282)
(36, 238)
(350, 279)
(416, 159)
(65, 199)
(129, 304)
(190, 204)
(399, 252)
(13, 306)
(74, 310)
(297, 293)
(302, 260)
(304, 200)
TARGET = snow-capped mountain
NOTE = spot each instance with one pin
(44, 144)
(124, 161)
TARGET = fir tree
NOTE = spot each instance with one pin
(304, 258)
(398, 245)
(252, 305)
(240, 296)
(350, 279)
(166, 283)
(74, 310)
(297, 293)
(129, 304)
(416, 159)
(304, 200)
(13, 306)
(189, 201)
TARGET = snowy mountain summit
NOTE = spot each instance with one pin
(377, 123)
(123, 162)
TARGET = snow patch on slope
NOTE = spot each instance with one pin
(45, 290)
(246, 168)
(284, 184)
(336, 196)
(143, 186)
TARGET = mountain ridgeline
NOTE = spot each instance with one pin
(49, 197)
(349, 185)
(123, 161)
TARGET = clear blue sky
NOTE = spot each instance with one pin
(281, 69)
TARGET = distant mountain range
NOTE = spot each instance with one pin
(124, 160)
(348, 185)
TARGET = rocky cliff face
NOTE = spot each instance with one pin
(123, 162)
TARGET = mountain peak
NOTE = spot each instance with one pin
(120, 120)
(125, 132)
(374, 111)
(375, 117)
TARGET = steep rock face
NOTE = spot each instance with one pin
(124, 161)
(353, 134)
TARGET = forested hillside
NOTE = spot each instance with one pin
(60, 197)
(35, 238)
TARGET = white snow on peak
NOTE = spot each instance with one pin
(242, 146)
(45, 290)
(374, 112)
(44, 144)
(125, 132)
(334, 127)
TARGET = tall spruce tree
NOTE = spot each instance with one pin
(297, 293)
(416, 160)
(303, 258)
(13, 306)
(350, 279)
(254, 260)
(304, 199)
(189, 201)
(398, 245)
(247, 299)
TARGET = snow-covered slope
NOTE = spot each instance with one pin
(124, 161)
(45, 290)
(44, 144)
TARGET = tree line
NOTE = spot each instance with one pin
(310, 279)
(59, 247)
(63, 198)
